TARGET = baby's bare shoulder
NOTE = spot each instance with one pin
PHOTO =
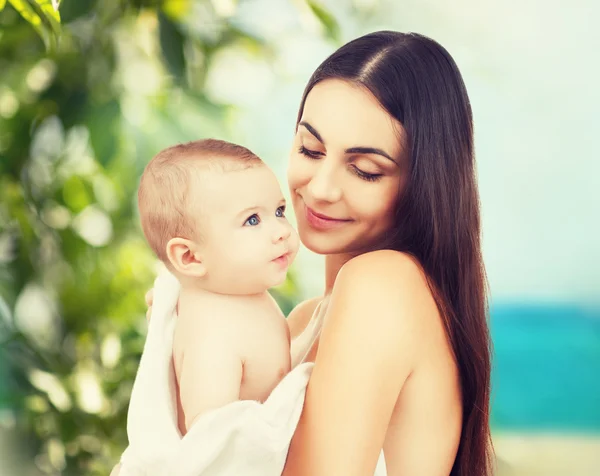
(264, 329)
(214, 324)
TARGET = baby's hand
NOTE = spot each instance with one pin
(149, 298)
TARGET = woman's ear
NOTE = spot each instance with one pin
(185, 257)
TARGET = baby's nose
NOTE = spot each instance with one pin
(282, 232)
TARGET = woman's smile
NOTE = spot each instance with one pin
(320, 221)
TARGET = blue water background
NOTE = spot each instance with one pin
(546, 372)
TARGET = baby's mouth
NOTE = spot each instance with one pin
(282, 259)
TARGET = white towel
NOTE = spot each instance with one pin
(240, 438)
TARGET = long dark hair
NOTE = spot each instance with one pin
(438, 220)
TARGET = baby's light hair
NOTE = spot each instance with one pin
(164, 187)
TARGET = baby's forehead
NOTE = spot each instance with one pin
(234, 189)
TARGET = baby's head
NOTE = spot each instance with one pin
(213, 212)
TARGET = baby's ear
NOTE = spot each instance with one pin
(185, 258)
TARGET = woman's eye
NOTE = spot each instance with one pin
(252, 220)
(311, 154)
(280, 212)
(365, 175)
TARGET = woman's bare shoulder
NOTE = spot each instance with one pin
(384, 267)
(397, 263)
(368, 348)
(390, 280)
(300, 316)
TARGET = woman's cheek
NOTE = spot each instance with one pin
(298, 173)
(378, 207)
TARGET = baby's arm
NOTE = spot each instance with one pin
(210, 371)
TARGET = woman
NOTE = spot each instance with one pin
(382, 179)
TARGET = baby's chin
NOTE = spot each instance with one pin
(279, 280)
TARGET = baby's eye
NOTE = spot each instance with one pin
(280, 212)
(252, 220)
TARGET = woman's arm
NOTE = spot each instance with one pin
(367, 350)
(299, 317)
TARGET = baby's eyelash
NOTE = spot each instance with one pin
(255, 216)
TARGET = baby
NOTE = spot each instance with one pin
(214, 214)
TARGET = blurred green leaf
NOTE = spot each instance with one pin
(42, 16)
(171, 43)
(104, 122)
(328, 21)
(47, 8)
(177, 9)
(93, 81)
(76, 194)
(71, 10)
(26, 11)
(2, 4)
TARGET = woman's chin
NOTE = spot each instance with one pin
(323, 244)
(335, 244)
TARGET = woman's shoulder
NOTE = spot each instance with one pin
(392, 284)
(383, 267)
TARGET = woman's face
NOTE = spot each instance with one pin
(346, 169)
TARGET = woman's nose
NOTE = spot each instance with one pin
(323, 185)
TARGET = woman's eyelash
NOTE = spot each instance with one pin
(365, 175)
(309, 153)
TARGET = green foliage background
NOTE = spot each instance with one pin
(76, 130)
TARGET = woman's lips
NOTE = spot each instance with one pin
(322, 222)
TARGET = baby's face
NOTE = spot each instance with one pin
(246, 240)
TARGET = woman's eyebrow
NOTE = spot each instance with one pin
(351, 150)
(369, 150)
(313, 131)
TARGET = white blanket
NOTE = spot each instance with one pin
(243, 438)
